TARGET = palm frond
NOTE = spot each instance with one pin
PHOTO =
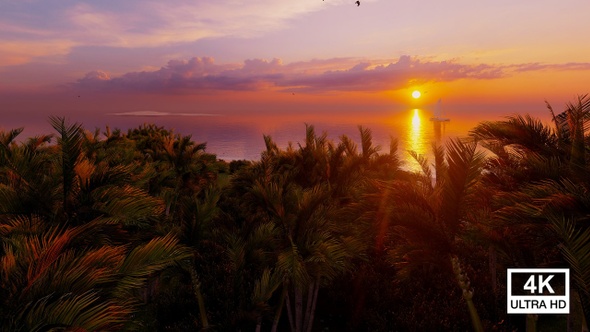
(348, 145)
(575, 248)
(6, 138)
(367, 148)
(424, 165)
(73, 311)
(265, 287)
(525, 131)
(236, 250)
(291, 265)
(440, 165)
(465, 164)
(144, 260)
(127, 205)
(70, 141)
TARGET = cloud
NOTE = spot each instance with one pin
(193, 75)
(394, 75)
(190, 76)
(203, 75)
(200, 75)
(96, 75)
(17, 52)
(557, 67)
(147, 23)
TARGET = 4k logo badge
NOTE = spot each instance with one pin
(538, 291)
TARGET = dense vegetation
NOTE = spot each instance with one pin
(146, 231)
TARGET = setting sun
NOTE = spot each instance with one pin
(416, 94)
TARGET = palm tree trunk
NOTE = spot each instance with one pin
(465, 285)
(298, 309)
(200, 301)
(313, 305)
(493, 261)
(308, 306)
(585, 303)
(493, 257)
(531, 322)
(289, 312)
(475, 320)
(259, 323)
(275, 322)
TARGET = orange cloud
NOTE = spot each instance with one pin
(197, 75)
(14, 52)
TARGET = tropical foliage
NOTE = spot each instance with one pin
(146, 231)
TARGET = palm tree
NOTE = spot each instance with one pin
(54, 277)
(313, 249)
(560, 209)
(69, 140)
(525, 149)
(533, 170)
(264, 288)
(298, 197)
(431, 215)
(197, 231)
(575, 248)
(26, 184)
(84, 180)
(571, 126)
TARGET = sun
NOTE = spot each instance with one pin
(416, 94)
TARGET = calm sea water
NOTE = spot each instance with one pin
(233, 136)
(240, 138)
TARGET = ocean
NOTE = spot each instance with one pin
(239, 135)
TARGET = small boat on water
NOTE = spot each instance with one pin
(437, 116)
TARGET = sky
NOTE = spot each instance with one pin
(89, 59)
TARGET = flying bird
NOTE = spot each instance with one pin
(358, 3)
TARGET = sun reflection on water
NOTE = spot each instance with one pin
(416, 139)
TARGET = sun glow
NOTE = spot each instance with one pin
(416, 94)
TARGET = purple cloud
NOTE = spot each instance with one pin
(202, 75)
(558, 67)
(189, 76)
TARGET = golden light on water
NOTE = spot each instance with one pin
(416, 134)
(416, 121)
